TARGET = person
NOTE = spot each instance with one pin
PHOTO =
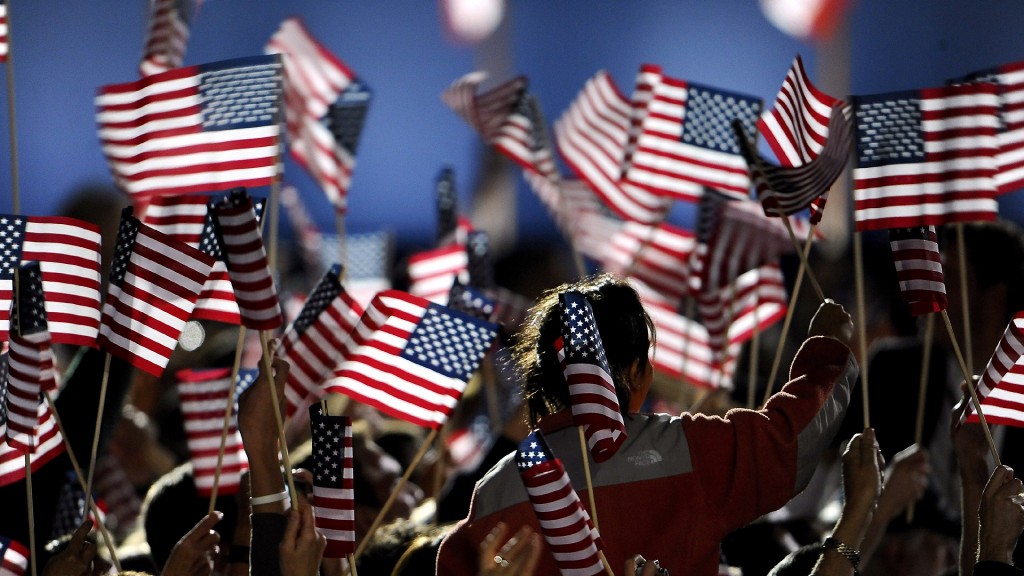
(700, 476)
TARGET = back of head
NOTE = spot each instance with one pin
(626, 332)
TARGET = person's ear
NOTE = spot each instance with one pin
(634, 375)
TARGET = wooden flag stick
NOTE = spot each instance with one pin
(862, 329)
(604, 561)
(755, 344)
(961, 246)
(781, 346)
(268, 369)
(12, 126)
(394, 493)
(803, 254)
(31, 512)
(107, 538)
(970, 387)
(235, 368)
(96, 434)
(352, 564)
(922, 388)
(586, 472)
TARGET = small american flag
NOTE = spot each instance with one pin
(325, 106)
(757, 299)
(13, 557)
(68, 252)
(154, 283)
(523, 138)
(1010, 137)
(480, 263)
(919, 269)
(447, 198)
(4, 45)
(686, 140)
(432, 272)
(203, 395)
(484, 112)
(411, 358)
(46, 440)
(570, 535)
(792, 189)
(684, 346)
(997, 387)
(70, 504)
(659, 256)
(242, 243)
(592, 135)
(167, 35)
(926, 157)
(315, 342)
(194, 129)
(471, 300)
(333, 498)
(797, 126)
(30, 367)
(595, 405)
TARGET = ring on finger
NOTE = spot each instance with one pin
(501, 561)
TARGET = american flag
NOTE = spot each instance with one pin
(683, 349)
(333, 497)
(471, 300)
(577, 211)
(432, 272)
(792, 189)
(369, 256)
(523, 138)
(797, 126)
(242, 243)
(47, 440)
(68, 252)
(203, 395)
(70, 504)
(411, 358)
(659, 256)
(646, 79)
(686, 140)
(734, 236)
(919, 269)
(450, 225)
(4, 46)
(309, 241)
(114, 489)
(188, 218)
(325, 106)
(167, 36)
(484, 112)
(30, 367)
(595, 405)
(13, 557)
(480, 263)
(999, 385)
(315, 342)
(154, 283)
(570, 535)
(1010, 136)
(592, 136)
(757, 298)
(194, 129)
(926, 157)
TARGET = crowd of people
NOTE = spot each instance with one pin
(796, 487)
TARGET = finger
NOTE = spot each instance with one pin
(78, 538)
(522, 543)
(1001, 475)
(868, 448)
(307, 524)
(532, 555)
(88, 552)
(291, 529)
(631, 564)
(489, 547)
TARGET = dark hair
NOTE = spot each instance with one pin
(995, 251)
(626, 332)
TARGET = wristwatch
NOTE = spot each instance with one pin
(851, 554)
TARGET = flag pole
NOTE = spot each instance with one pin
(922, 387)
(797, 283)
(971, 388)
(862, 329)
(11, 124)
(31, 512)
(427, 442)
(755, 343)
(961, 245)
(96, 434)
(586, 473)
(604, 561)
(235, 368)
(107, 538)
(803, 256)
(268, 369)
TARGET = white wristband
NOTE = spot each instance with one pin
(268, 499)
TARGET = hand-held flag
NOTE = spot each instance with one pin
(595, 405)
(1001, 383)
(919, 269)
(564, 523)
(333, 498)
(167, 36)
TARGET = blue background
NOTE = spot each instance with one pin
(63, 50)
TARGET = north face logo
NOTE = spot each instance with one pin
(645, 458)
